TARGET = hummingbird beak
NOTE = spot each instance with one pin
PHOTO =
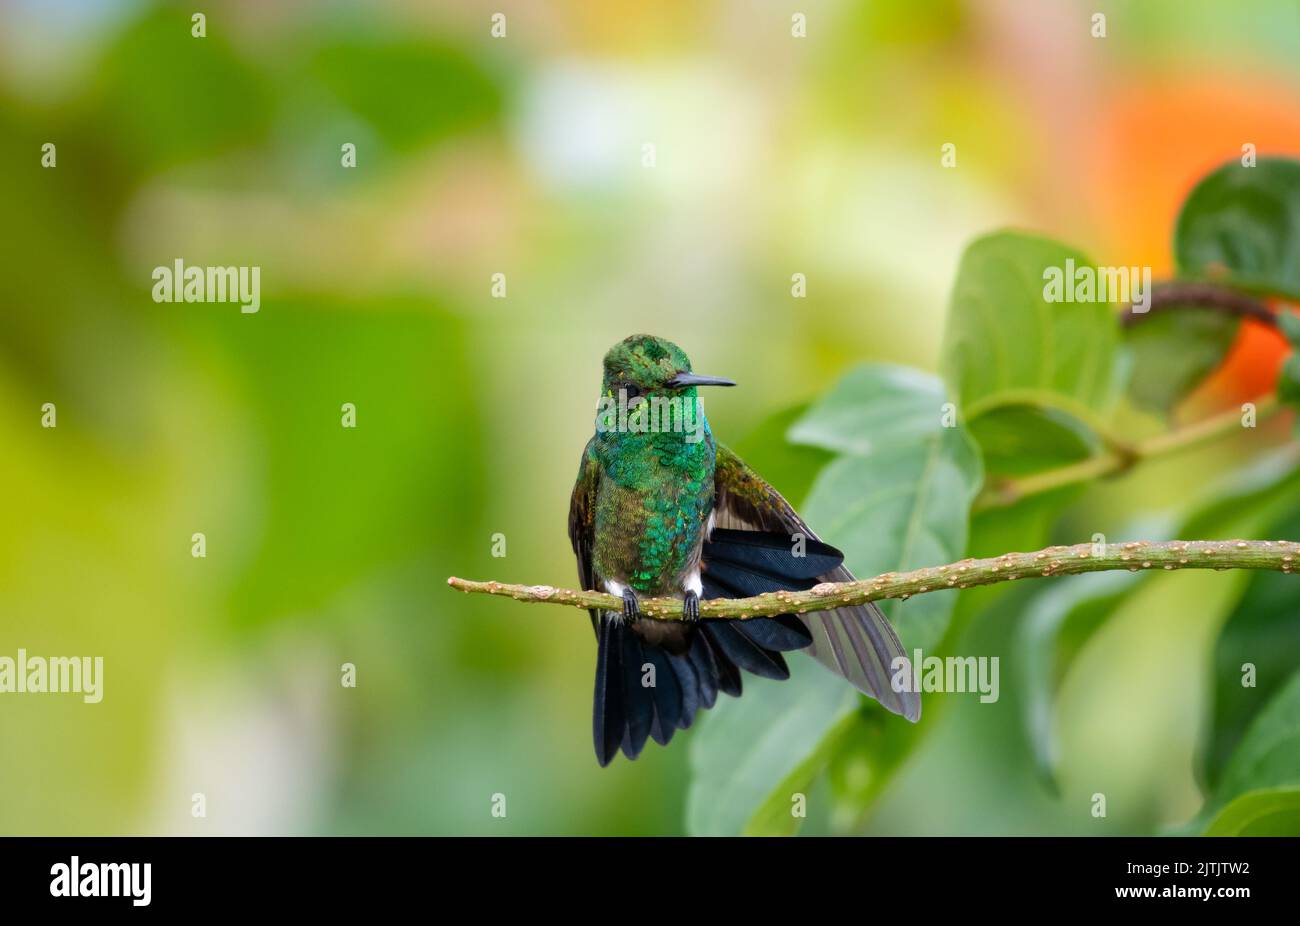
(695, 379)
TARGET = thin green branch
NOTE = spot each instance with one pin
(1276, 555)
(1118, 460)
(1120, 456)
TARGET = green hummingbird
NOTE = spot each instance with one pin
(660, 509)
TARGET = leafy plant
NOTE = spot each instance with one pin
(1034, 404)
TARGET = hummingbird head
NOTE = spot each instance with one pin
(644, 365)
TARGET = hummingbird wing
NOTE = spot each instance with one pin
(582, 522)
(857, 643)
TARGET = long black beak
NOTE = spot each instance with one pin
(695, 379)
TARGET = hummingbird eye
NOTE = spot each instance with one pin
(631, 389)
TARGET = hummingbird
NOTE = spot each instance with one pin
(661, 509)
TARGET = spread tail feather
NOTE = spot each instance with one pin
(645, 692)
(633, 704)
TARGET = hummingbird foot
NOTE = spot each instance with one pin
(631, 607)
(691, 607)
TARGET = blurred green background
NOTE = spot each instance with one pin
(523, 155)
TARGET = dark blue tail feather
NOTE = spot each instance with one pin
(633, 704)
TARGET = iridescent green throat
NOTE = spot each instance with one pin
(656, 503)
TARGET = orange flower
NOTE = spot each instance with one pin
(1156, 141)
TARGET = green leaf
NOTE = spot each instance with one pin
(1289, 322)
(752, 754)
(1005, 344)
(1269, 753)
(898, 508)
(1173, 351)
(1267, 812)
(1266, 760)
(873, 405)
(1261, 632)
(1242, 224)
(1021, 439)
(1288, 381)
(868, 748)
(775, 816)
(899, 497)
